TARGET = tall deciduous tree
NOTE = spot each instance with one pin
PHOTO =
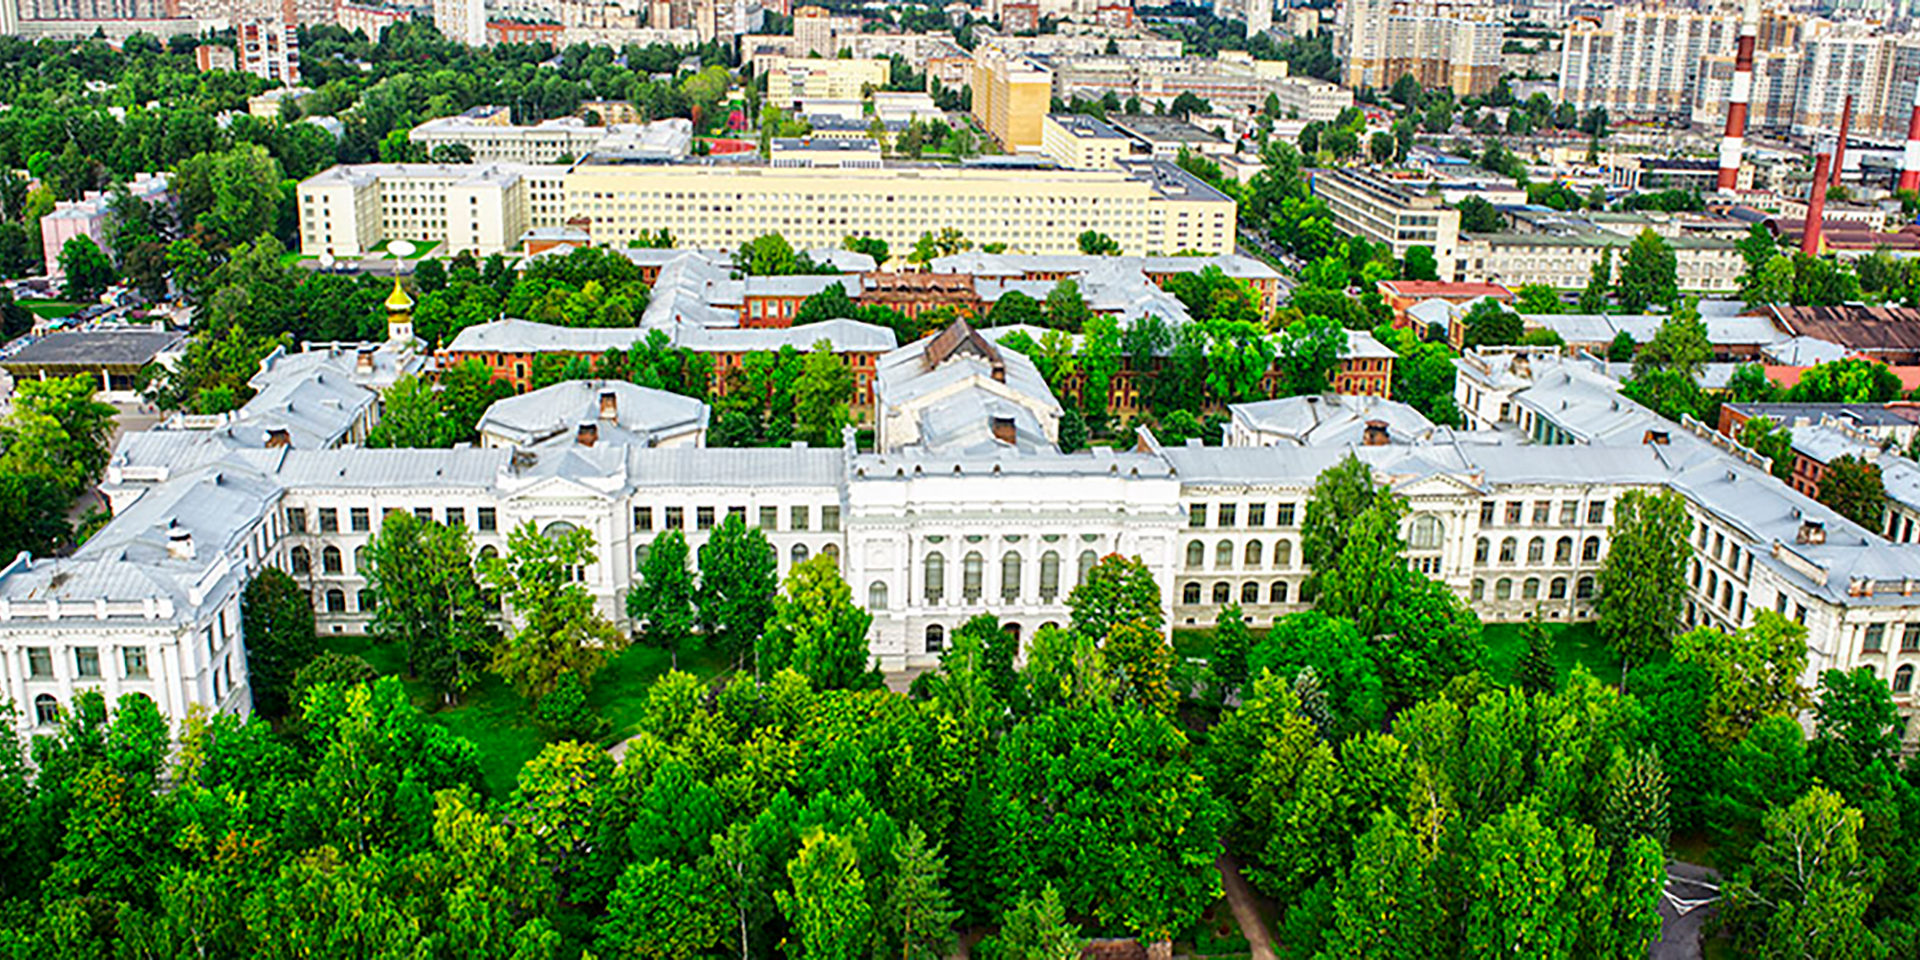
(58, 431)
(828, 906)
(277, 619)
(1853, 488)
(86, 270)
(1115, 590)
(822, 395)
(1649, 273)
(738, 580)
(1808, 886)
(1309, 354)
(818, 630)
(560, 629)
(1232, 642)
(1643, 579)
(1755, 673)
(429, 601)
(661, 604)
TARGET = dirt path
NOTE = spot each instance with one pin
(1246, 908)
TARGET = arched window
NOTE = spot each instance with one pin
(1190, 593)
(1903, 679)
(1277, 592)
(1482, 549)
(1196, 554)
(330, 560)
(639, 558)
(1010, 573)
(360, 560)
(1223, 555)
(1479, 589)
(1726, 594)
(972, 568)
(1557, 589)
(1427, 532)
(1223, 592)
(336, 600)
(1087, 560)
(1049, 577)
(832, 552)
(301, 561)
(1590, 550)
(1253, 552)
(1536, 551)
(366, 601)
(489, 553)
(46, 709)
(933, 577)
(558, 529)
(1509, 549)
(936, 638)
(1563, 550)
(798, 555)
(1012, 630)
(1583, 588)
(1530, 590)
(1282, 554)
(877, 595)
(1503, 589)
(1249, 592)
(1713, 583)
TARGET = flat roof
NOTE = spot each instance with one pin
(133, 346)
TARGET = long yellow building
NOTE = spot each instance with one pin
(1148, 206)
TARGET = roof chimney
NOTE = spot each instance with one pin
(363, 361)
(278, 437)
(1003, 430)
(588, 434)
(179, 542)
(1376, 435)
(1811, 531)
(609, 405)
(1656, 438)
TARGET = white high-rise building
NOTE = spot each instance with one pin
(462, 21)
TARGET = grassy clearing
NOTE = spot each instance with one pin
(51, 309)
(499, 721)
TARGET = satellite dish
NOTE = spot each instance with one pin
(401, 248)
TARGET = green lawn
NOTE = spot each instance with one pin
(1572, 643)
(51, 309)
(498, 720)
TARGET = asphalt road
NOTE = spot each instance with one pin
(1684, 910)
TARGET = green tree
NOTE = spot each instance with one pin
(1097, 244)
(739, 577)
(560, 630)
(767, 255)
(411, 416)
(87, 271)
(1807, 883)
(1116, 590)
(1538, 298)
(1385, 905)
(828, 906)
(1635, 803)
(661, 605)
(1240, 354)
(916, 917)
(1489, 323)
(1232, 642)
(1643, 578)
(1142, 661)
(233, 196)
(428, 600)
(1309, 354)
(661, 910)
(1420, 264)
(58, 431)
(33, 511)
(1649, 273)
(277, 619)
(1515, 890)
(818, 630)
(1535, 672)
(1769, 439)
(1755, 672)
(871, 246)
(1852, 487)
(1350, 540)
(1594, 297)
(1681, 346)
(1037, 928)
(1066, 308)
(822, 396)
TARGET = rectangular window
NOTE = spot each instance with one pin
(1197, 515)
(424, 513)
(1227, 514)
(676, 518)
(39, 662)
(643, 518)
(456, 517)
(361, 520)
(737, 513)
(1569, 512)
(769, 518)
(1542, 509)
(798, 519)
(1283, 515)
(486, 519)
(297, 519)
(86, 661)
(1876, 637)
(329, 520)
(1597, 511)
(1513, 513)
(1910, 638)
(703, 518)
(1486, 513)
(1256, 514)
(830, 519)
(134, 660)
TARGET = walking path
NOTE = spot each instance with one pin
(1685, 905)
(1246, 908)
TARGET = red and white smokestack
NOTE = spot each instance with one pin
(1733, 143)
(1910, 165)
(1840, 145)
(1816, 209)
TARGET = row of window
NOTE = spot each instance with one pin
(799, 518)
(1012, 575)
(86, 663)
(1542, 514)
(1536, 550)
(1530, 588)
(1277, 592)
(1875, 638)
(1251, 556)
(1228, 515)
(360, 519)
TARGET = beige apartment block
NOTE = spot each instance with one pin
(485, 208)
(1010, 97)
(791, 79)
(1082, 142)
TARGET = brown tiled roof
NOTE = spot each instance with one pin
(961, 339)
(1892, 329)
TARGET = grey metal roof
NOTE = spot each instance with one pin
(128, 347)
(1331, 419)
(678, 467)
(642, 415)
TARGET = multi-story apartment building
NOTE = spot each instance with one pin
(1305, 98)
(972, 510)
(1437, 42)
(1566, 260)
(1010, 96)
(485, 208)
(1385, 212)
(792, 79)
(462, 21)
(91, 216)
(486, 132)
(1643, 60)
(270, 49)
(1082, 142)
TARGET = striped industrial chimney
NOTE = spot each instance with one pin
(1910, 165)
(1733, 143)
(1816, 209)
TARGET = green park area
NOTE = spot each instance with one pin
(52, 309)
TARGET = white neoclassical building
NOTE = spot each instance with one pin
(1514, 516)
